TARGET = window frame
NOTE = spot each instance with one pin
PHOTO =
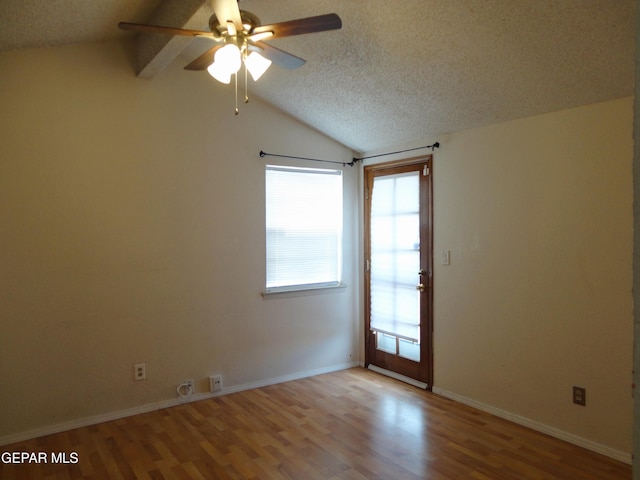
(315, 287)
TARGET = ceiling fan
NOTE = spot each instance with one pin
(239, 38)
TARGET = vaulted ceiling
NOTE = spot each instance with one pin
(398, 71)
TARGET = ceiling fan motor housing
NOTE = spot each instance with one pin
(249, 22)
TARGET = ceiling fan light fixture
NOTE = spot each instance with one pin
(229, 58)
(257, 65)
(218, 72)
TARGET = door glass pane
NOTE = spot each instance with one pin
(386, 343)
(395, 255)
(408, 349)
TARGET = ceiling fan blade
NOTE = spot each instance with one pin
(321, 23)
(204, 60)
(227, 10)
(139, 27)
(280, 57)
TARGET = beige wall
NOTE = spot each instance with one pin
(133, 231)
(537, 214)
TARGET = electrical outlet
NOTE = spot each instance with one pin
(139, 371)
(580, 396)
(215, 383)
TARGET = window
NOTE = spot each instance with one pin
(303, 227)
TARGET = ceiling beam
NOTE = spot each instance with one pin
(156, 51)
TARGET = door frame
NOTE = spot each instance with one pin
(425, 373)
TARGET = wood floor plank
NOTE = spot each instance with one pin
(348, 425)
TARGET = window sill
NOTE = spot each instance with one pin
(301, 291)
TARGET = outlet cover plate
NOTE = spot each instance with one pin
(139, 371)
(215, 383)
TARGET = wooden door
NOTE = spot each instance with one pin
(398, 277)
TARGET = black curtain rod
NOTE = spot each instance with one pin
(432, 147)
(265, 154)
(353, 160)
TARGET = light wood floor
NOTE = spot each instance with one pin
(352, 424)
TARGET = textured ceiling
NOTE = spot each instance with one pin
(398, 71)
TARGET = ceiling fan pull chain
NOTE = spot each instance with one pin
(236, 82)
(246, 87)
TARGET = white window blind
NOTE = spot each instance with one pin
(303, 227)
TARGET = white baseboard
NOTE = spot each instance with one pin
(106, 417)
(285, 378)
(540, 427)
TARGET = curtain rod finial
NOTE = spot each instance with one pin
(262, 154)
